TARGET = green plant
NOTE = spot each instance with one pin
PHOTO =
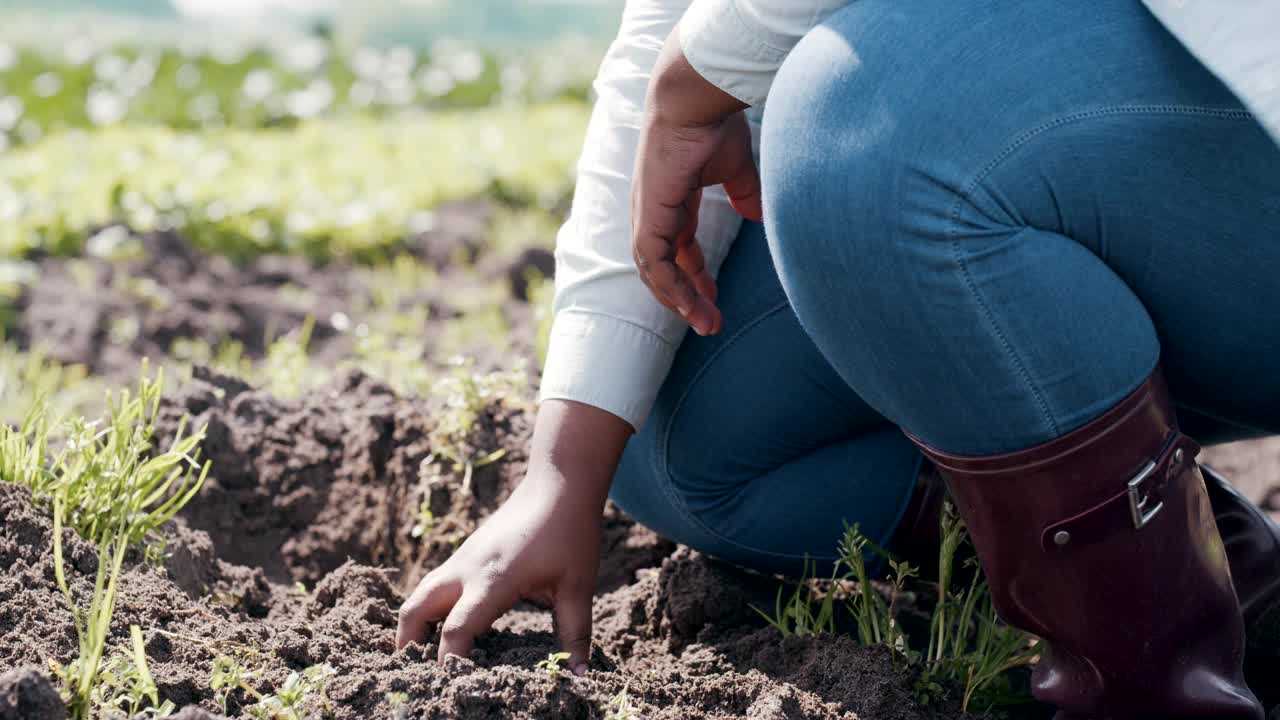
(466, 395)
(301, 696)
(398, 704)
(968, 645)
(346, 187)
(795, 616)
(876, 617)
(125, 684)
(620, 707)
(553, 665)
(229, 674)
(114, 488)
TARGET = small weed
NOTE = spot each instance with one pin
(620, 707)
(553, 664)
(968, 645)
(126, 684)
(795, 616)
(425, 520)
(229, 673)
(115, 489)
(467, 395)
(398, 704)
(301, 697)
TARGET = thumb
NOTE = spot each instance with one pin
(743, 190)
(573, 625)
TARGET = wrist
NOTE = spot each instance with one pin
(680, 96)
(576, 450)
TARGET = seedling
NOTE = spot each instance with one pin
(552, 665)
(795, 617)
(115, 489)
(229, 674)
(125, 684)
(968, 645)
(297, 699)
(398, 703)
(620, 707)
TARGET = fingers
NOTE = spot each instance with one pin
(573, 624)
(429, 603)
(476, 611)
(675, 271)
(744, 193)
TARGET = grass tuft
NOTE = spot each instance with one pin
(969, 647)
(115, 489)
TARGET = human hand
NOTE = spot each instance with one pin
(542, 544)
(692, 135)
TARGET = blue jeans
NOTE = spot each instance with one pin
(988, 225)
(994, 220)
(757, 452)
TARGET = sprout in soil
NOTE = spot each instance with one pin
(552, 665)
(620, 707)
(398, 704)
(115, 489)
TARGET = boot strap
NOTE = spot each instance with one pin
(1129, 510)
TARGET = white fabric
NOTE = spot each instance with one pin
(612, 344)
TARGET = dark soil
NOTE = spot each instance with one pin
(679, 637)
(107, 313)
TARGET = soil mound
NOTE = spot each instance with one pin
(25, 694)
(348, 622)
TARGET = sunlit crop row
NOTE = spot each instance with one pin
(239, 85)
(353, 187)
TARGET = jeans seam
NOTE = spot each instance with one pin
(664, 446)
(1017, 143)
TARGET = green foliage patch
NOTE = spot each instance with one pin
(354, 188)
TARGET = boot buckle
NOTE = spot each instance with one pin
(1139, 511)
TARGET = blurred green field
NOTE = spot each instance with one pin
(303, 146)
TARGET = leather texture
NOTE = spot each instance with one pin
(1138, 622)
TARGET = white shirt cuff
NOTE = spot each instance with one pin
(605, 362)
(727, 50)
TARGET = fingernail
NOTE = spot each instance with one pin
(580, 669)
(683, 310)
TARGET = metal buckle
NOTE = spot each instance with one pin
(1138, 510)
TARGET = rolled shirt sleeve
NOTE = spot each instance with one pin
(612, 343)
(738, 45)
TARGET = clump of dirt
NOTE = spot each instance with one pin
(348, 622)
(26, 694)
(300, 486)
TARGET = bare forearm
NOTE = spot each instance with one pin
(578, 446)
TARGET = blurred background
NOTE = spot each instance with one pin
(282, 188)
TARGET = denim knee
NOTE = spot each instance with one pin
(878, 144)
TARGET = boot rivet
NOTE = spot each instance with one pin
(1062, 537)
(1177, 456)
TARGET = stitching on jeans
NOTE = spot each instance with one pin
(664, 445)
(967, 192)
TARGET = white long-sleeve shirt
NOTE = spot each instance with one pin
(612, 343)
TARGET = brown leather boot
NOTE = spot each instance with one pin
(1103, 543)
